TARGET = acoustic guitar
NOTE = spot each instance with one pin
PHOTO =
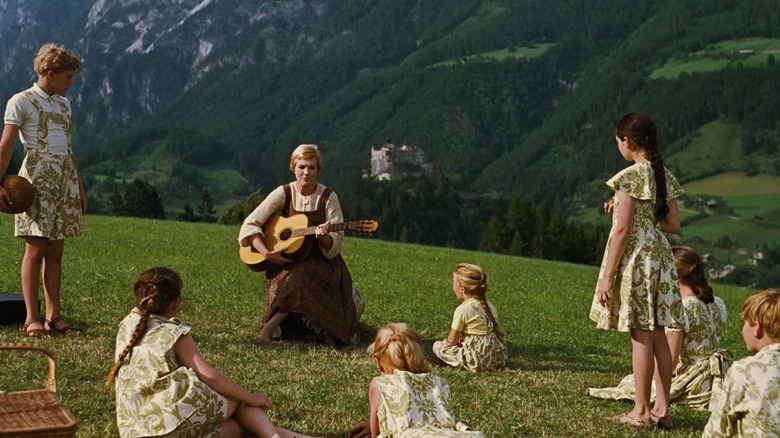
(289, 235)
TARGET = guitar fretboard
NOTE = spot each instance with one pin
(298, 232)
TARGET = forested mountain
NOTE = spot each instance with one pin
(506, 97)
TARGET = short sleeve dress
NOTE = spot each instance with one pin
(480, 348)
(417, 405)
(702, 364)
(155, 395)
(646, 291)
(45, 131)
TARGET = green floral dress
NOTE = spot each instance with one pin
(749, 404)
(417, 405)
(702, 363)
(155, 395)
(56, 211)
(475, 351)
(646, 291)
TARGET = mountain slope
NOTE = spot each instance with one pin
(508, 97)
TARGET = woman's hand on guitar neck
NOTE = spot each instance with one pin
(321, 232)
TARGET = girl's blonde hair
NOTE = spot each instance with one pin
(306, 152)
(474, 280)
(397, 346)
(55, 58)
(764, 308)
(155, 290)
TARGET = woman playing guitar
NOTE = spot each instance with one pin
(314, 297)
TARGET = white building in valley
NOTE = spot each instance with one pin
(390, 162)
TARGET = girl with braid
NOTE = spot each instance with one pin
(698, 361)
(638, 290)
(475, 342)
(164, 387)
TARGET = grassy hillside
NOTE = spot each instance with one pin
(750, 52)
(555, 352)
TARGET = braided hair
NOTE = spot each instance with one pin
(474, 280)
(155, 290)
(641, 129)
(690, 270)
(397, 346)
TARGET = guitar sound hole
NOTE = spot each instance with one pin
(286, 234)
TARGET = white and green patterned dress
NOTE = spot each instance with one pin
(417, 405)
(45, 130)
(155, 395)
(749, 403)
(646, 291)
(702, 363)
(479, 349)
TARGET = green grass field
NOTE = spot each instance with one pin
(720, 56)
(555, 351)
(716, 148)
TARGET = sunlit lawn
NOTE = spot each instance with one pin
(555, 351)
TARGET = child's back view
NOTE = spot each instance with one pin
(475, 341)
(406, 399)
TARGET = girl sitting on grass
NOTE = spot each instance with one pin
(475, 342)
(406, 399)
(164, 387)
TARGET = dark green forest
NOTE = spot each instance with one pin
(514, 103)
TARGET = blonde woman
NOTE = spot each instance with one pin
(314, 297)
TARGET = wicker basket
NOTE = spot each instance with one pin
(35, 413)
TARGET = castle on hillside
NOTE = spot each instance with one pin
(390, 162)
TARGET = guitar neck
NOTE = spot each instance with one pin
(298, 232)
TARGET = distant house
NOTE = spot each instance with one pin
(756, 258)
(390, 162)
(722, 272)
(746, 52)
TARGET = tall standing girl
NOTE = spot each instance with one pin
(638, 290)
(697, 358)
(41, 117)
(475, 341)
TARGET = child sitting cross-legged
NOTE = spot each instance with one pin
(475, 341)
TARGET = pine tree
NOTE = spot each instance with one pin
(142, 200)
(187, 215)
(206, 207)
(116, 205)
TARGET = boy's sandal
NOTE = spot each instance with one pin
(65, 330)
(631, 420)
(40, 333)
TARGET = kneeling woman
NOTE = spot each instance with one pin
(311, 298)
